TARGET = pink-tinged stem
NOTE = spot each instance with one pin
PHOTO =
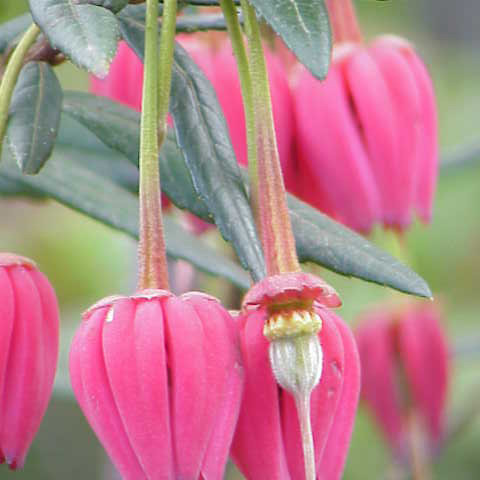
(152, 258)
(344, 21)
(272, 214)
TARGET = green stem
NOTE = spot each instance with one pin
(167, 42)
(152, 259)
(236, 37)
(10, 76)
(273, 218)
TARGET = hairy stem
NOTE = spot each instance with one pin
(272, 216)
(152, 258)
(236, 37)
(10, 76)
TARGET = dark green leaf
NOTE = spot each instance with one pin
(118, 127)
(14, 188)
(113, 5)
(202, 135)
(70, 177)
(87, 34)
(305, 28)
(321, 240)
(12, 29)
(34, 116)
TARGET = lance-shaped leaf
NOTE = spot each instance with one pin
(71, 177)
(319, 239)
(11, 30)
(87, 34)
(34, 116)
(118, 127)
(202, 134)
(113, 5)
(305, 28)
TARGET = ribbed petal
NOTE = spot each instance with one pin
(7, 312)
(424, 353)
(223, 348)
(427, 175)
(331, 147)
(193, 401)
(24, 396)
(257, 447)
(405, 98)
(379, 390)
(134, 352)
(324, 400)
(374, 106)
(335, 452)
(92, 389)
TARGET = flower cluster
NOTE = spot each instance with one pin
(368, 132)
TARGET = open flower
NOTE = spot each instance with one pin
(268, 439)
(28, 354)
(367, 135)
(159, 379)
(404, 358)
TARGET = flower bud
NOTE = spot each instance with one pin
(28, 354)
(160, 381)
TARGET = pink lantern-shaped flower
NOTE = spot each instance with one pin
(159, 379)
(28, 354)
(268, 439)
(404, 356)
(367, 135)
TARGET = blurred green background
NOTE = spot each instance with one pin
(86, 261)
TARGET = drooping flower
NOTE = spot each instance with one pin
(28, 354)
(268, 440)
(159, 379)
(367, 135)
(405, 362)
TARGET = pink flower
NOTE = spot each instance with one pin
(28, 354)
(404, 357)
(367, 135)
(160, 381)
(267, 442)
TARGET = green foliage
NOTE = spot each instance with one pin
(86, 34)
(304, 27)
(34, 116)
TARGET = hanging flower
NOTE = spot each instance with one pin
(405, 363)
(279, 314)
(159, 379)
(28, 354)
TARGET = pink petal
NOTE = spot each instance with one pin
(25, 394)
(223, 348)
(424, 352)
(134, 353)
(92, 389)
(405, 98)
(257, 447)
(331, 148)
(193, 400)
(335, 453)
(374, 106)
(379, 390)
(427, 175)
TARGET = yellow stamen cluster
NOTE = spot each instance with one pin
(291, 323)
